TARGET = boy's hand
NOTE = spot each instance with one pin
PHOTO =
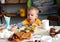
(13, 28)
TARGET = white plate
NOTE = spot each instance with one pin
(46, 39)
(57, 36)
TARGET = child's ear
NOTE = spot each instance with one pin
(36, 16)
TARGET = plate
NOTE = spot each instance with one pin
(46, 38)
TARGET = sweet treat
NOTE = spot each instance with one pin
(26, 35)
(58, 31)
(23, 34)
(52, 32)
(17, 40)
(10, 39)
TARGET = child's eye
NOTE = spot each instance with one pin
(31, 15)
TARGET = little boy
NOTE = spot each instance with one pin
(32, 18)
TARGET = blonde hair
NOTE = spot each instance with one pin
(33, 8)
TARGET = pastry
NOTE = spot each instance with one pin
(52, 32)
(17, 40)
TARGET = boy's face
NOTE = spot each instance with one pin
(32, 15)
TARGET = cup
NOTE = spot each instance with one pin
(45, 24)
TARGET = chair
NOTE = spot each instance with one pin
(53, 18)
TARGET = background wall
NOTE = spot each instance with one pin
(14, 8)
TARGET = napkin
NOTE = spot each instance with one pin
(6, 33)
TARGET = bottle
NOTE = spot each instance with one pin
(7, 20)
(22, 12)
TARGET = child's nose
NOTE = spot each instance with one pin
(30, 16)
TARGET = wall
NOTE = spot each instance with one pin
(14, 8)
(15, 20)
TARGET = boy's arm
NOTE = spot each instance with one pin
(13, 28)
(16, 26)
(19, 24)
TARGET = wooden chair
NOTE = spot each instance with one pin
(53, 18)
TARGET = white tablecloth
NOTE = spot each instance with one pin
(38, 35)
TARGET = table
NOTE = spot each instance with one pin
(39, 33)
